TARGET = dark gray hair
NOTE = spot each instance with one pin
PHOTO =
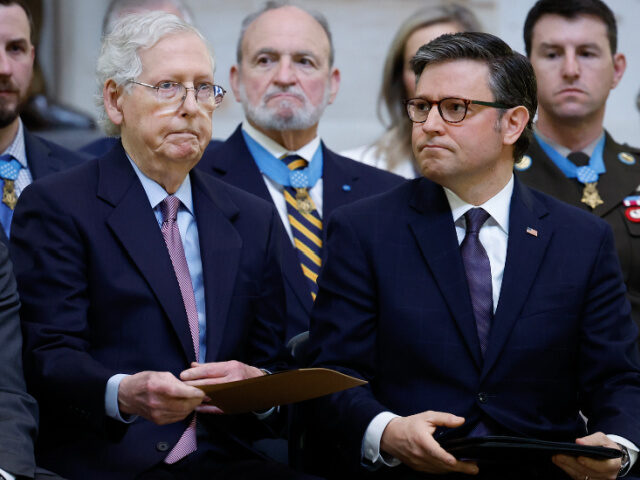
(274, 5)
(112, 15)
(511, 77)
(119, 58)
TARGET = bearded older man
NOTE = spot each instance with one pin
(284, 79)
(140, 278)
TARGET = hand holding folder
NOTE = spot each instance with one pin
(260, 393)
(522, 450)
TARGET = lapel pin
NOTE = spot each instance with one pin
(626, 158)
(346, 188)
(524, 163)
(633, 214)
(532, 231)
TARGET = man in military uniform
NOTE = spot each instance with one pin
(572, 46)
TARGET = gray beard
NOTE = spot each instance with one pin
(299, 118)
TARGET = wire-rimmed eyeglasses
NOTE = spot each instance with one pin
(452, 110)
(207, 94)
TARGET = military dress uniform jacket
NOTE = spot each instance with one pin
(621, 180)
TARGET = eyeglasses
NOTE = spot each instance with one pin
(207, 94)
(452, 110)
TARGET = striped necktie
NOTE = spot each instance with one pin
(306, 226)
(171, 233)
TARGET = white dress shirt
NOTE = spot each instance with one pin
(275, 189)
(493, 235)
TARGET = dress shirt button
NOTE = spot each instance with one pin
(482, 397)
(162, 446)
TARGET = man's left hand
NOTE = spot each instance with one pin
(217, 372)
(584, 468)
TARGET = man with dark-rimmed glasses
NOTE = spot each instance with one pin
(473, 305)
(141, 278)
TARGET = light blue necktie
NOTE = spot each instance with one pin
(9, 170)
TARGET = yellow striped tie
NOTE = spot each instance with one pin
(306, 226)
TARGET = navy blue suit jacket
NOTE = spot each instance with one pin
(344, 181)
(45, 158)
(394, 308)
(100, 297)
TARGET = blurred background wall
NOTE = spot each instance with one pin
(362, 30)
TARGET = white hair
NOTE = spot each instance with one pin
(119, 58)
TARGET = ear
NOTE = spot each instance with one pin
(619, 66)
(513, 122)
(112, 101)
(334, 84)
(234, 81)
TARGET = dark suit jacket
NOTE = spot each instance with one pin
(619, 181)
(45, 158)
(100, 297)
(344, 181)
(18, 410)
(394, 308)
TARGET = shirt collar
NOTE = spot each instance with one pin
(156, 194)
(564, 151)
(17, 148)
(497, 206)
(277, 150)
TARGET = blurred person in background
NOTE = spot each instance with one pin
(392, 151)
(572, 46)
(24, 157)
(285, 78)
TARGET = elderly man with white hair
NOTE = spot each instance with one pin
(140, 278)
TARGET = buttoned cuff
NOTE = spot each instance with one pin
(371, 442)
(111, 400)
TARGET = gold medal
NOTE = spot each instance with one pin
(303, 201)
(9, 197)
(590, 195)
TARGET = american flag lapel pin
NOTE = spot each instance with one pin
(532, 231)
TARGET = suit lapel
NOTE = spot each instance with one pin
(549, 179)
(134, 224)
(435, 234)
(38, 157)
(619, 180)
(524, 256)
(337, 182)
(220, 248)
(233, 163)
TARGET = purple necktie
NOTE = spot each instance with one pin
(169, 209)
(478, 270)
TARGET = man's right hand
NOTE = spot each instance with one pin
(157, 396)
(410, 440)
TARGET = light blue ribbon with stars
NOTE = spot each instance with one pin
(276, 170)
(9, 167)
(586, 174)
(9, 170)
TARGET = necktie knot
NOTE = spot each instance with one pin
(475, 218)
(295, 162)
(169, 208)
(580, 159)
(9, 167)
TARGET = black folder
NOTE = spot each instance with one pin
(507, 449)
